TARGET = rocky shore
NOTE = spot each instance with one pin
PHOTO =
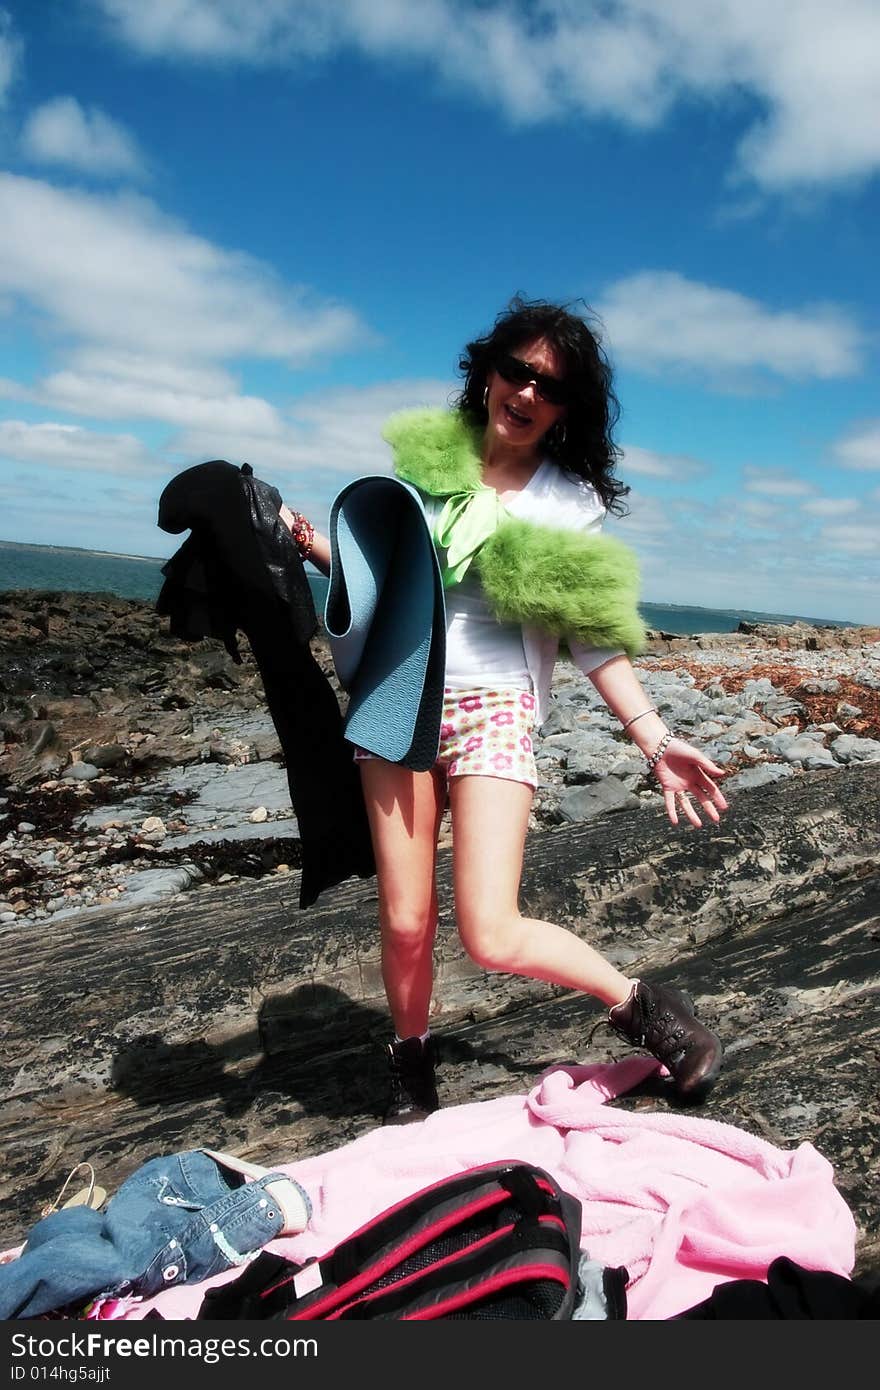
(134, 766)
(165, 991)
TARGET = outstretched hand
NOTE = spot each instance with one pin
(684, 772)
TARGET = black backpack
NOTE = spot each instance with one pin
(498, 1241)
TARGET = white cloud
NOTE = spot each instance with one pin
(148, 314)
(118, 398)
(13, 390)
(832, 506)
(346, 425)
(647, 523)
(10, 55)
(759, 512)
(752, 554)
(774, 482)
(207, 29)
(659, 320)
(38, 509)
(115, 386)
(648, 463)
(327, 439)
(321, 438)
(861, 449)
(62, 132)
(71, 447)
(197, 380)
(821, 84)
(854, 539)
(131, 275)
(812, 76)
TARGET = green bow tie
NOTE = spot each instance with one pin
(466, 521)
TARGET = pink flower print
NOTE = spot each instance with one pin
(525, 743)
(447, 730)
(526, 701)
(473, 744)
(503, 717)
(470, 703)
(502, 762)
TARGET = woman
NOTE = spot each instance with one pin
(516, 481)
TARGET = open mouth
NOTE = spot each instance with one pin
(517, 417)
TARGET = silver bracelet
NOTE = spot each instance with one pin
(652, 709)
(659, 751)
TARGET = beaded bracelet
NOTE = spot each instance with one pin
(659, 751)
(303, 533)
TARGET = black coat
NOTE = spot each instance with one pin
(240, 570)
(792, 1292)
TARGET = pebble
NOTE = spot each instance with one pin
(847, 712)
(850, 749)
(81, 772)
(821, 687)
(761, 725)
(585, 803)
(586, 768)
(760, 776)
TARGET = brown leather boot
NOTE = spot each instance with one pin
(662, 1020)
(413, 1085)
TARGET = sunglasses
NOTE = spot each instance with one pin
(550, 388)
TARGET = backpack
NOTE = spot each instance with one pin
(493, 1242)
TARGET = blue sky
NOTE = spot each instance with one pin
(253, 231)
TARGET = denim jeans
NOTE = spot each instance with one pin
(176, 1220)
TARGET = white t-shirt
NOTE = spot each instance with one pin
(481, 651)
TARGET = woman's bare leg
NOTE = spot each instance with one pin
(489, 821)
(404, 810)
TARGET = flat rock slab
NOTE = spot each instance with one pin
(221, 796)
(229, 1018)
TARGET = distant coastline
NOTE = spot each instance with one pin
(60, 567)
(81, 550)
(754, 615)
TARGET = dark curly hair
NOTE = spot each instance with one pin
(585, 447)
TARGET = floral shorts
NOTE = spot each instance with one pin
(485, 733)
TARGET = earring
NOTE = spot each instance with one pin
(562, 436)
(486, 396)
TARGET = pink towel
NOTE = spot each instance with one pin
(683, 1203)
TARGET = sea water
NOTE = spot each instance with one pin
(57, 568)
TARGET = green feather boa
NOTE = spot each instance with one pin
(565, 582)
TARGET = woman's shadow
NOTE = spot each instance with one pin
(314, 1047)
